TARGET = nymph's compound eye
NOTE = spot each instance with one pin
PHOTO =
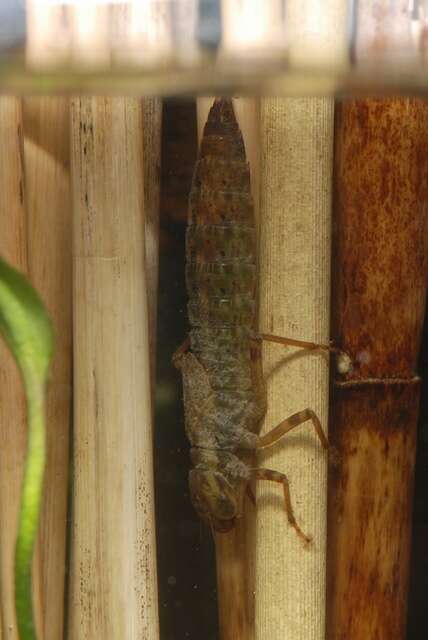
(213, 498)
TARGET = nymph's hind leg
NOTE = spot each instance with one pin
(290, 423)
(343, 362)
(275, 476)
(185, 346)
(250, 494)
(297, 343)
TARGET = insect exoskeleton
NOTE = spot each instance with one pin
(224, 390)
(217, 487)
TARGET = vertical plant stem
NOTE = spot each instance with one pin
(295, 214)
(113, 582)
(152, 127)
(295, 207)
(13, 428)
(380, 271)
(234, 610)
(47, 189)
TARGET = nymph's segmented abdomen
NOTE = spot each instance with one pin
(224, 394)
(221, 255)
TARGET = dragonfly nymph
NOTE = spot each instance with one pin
(221, 364)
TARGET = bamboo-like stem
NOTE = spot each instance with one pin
(113, 581)
(234, 610)
(13, 429)
(152, 127)
(381, 178)
(295, 205)
(233, 549)
(48, 200)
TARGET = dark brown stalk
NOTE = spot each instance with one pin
(232, 583)
(378, 301)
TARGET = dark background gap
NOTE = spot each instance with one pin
(186, 559)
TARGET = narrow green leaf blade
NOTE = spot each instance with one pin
(27, 330)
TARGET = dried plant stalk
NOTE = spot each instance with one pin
(380, 271)
(113, 582)
(13, 430)
(295, 205)
(48, 201)
(152, 127)
(295, 213)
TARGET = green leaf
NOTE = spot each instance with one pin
(27, 330)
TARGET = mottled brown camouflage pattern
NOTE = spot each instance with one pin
(224, 393)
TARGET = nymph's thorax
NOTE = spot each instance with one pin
(219, 419)
(226, 462)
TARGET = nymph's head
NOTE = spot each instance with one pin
(214, 498)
